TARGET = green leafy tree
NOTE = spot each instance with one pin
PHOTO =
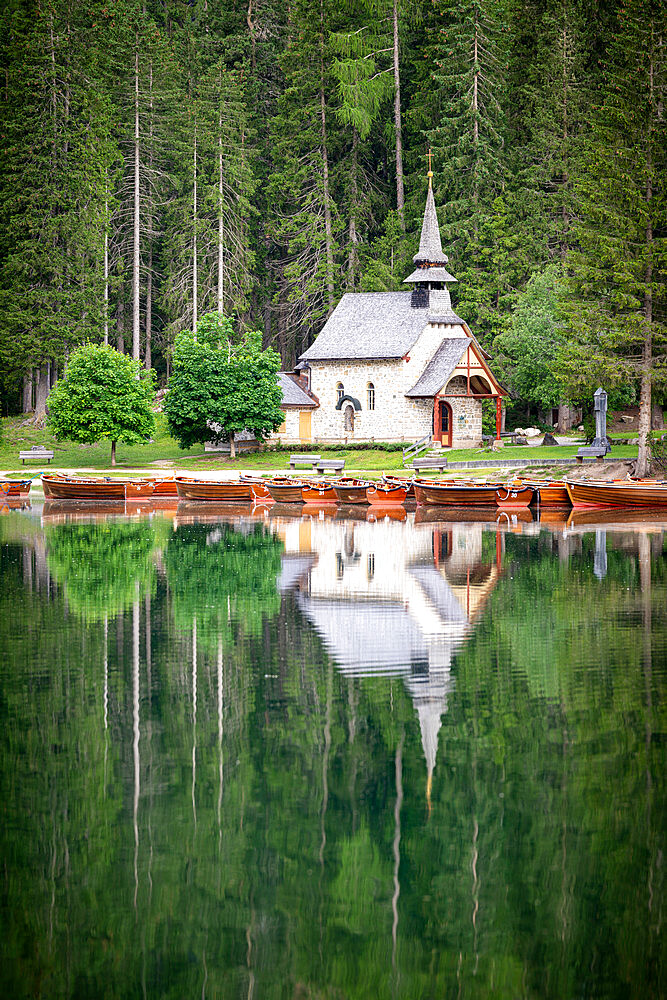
(527, 350)
(218, 387)
(103, 395)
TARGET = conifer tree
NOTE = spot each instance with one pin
(617, 311)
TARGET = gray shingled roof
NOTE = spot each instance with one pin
(368, 325)
(430, 247)
(293, 394)
(440, 367)
(430, 274)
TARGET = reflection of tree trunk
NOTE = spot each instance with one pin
(135, 741)
(194, 719)
(644, 544)
(27, 567)
(397, 848)
(219, 740)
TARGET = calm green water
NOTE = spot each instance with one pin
(328, 757)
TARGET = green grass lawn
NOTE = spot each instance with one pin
(163, 448)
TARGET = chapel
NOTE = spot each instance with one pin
(395, 366)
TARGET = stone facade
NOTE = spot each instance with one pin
(466, 414)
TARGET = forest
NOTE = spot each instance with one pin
(166, 159)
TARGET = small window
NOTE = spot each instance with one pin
(340, 391)
(370, 396)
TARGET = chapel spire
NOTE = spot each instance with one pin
(430, 259)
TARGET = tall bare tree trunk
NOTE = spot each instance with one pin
(352, 229)
(194, 238)
(27, 406)
(148, 356)
(221, 225)
(106, 269)
(400, 195)
(136, 245)
(644, 452)
(325, 173)
(43, 385)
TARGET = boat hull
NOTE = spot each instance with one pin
(224, 491)
(64, 488)
(285, 491)
(586, 494)
(15, 487)
(257, 488)
(386, 496)
(351, 492)
(551, 493)
(455, 495)
(515, 497)
(315, 494)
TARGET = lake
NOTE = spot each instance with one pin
(331, 755)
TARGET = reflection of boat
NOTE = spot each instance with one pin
(351, 491)
(433, 515)
(351, 512)
(456, 494)
(15, 487)
(81, 510)
(648, 494)
(390, 511)
(385, 494)
(220, 491)
(286, 509)
(201, 512)
(320, 510)
(627, 519)
(515, 497)
(318, 493)
(554, 517)
(286, 490)
(13, 503)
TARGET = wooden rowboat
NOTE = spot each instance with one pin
(15, 487)
(386, 495)
(456, 494)
(515, 497)
(319, 493)
(222, 491)
(550, 492)
(59, 487)
(407, 481)
(590, 493)
(165, 488)
(258, 488)
(351, 491)
(286, 490)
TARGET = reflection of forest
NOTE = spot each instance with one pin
(202, 796)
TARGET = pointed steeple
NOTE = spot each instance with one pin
(430, 259)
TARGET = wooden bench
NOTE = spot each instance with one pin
(597, 451)
(430, 462)
(331, 465)
(38, 453)
(303, 461)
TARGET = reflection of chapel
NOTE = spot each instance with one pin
(394, 366)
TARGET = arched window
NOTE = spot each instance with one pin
(370, 396)
(340, 391)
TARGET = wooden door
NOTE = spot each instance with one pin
(442, 423)
(305, 433)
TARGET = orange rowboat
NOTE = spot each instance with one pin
(550, 492)
(589, 493)
(515, 497)
(58, 487)
(319, 493)
(351, 491)
(15, 487)
(407, 481)
(257, 488)
(286, 490)
(222, 491)
(456, 494)
(386, 495)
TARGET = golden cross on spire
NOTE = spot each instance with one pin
(430, 171)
